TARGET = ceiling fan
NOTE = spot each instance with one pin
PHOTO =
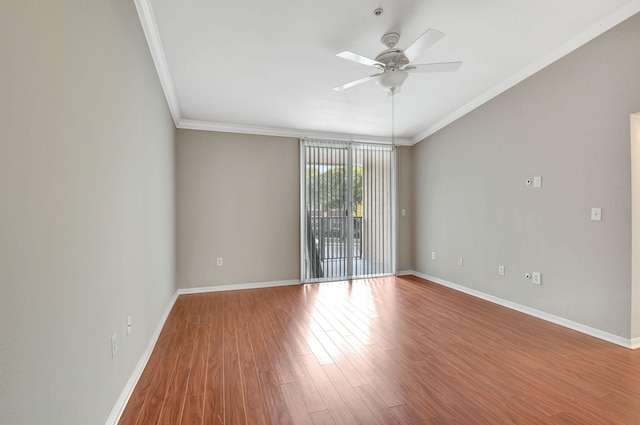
(394, 65)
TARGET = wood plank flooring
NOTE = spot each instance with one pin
(381, 351)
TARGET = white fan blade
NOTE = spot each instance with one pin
(422, 43)
(356, 82)
(434, 67)
(354, 57)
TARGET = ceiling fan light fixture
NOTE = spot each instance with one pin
(392, 79)
(396, 64)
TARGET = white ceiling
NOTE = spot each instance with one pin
(268, 67)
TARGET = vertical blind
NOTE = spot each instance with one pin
(347, 205)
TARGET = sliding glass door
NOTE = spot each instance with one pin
(348, 220)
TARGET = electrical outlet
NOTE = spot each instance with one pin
(219, 262)
(129, 325)
(536, 278)
(114, 345)
(500, 270)
(433, 255)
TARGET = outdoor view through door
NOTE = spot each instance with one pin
(348, 220)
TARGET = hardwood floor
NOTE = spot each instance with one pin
(381, 351)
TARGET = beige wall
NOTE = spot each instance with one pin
(238, 198)
(86, 207)
(569, 123)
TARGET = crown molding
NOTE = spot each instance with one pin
(284, 132)
(150, 29)
(603, 25)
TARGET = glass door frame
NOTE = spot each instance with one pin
(349, 212)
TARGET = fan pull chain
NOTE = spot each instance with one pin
(393, 117)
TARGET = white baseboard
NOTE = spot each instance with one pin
(238, 287)
(597, 333)
(122, 401)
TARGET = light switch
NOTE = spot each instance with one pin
(403, 212)
(537, 181)
(596, 214)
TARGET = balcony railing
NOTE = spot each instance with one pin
(331, 237)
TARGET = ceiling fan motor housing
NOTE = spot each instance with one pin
(392, 58)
